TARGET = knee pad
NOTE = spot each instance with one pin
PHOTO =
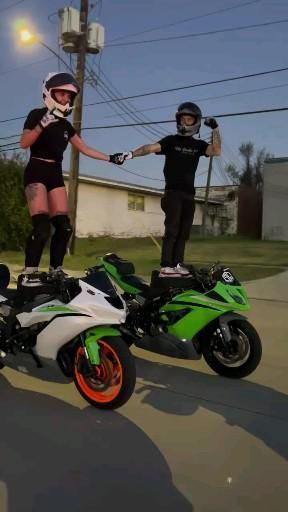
(41, 227)
(62, 226)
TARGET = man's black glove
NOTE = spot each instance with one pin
(117, 158)
(211, 123)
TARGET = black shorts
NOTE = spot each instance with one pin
(48, 173)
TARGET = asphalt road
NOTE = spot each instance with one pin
(187, 440)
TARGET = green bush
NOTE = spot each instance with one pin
(15, 223)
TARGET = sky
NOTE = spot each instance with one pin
(141, 68)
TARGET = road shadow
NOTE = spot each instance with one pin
(241, 403)
(55, 457)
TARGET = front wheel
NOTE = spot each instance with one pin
(110, 384)
(240, 357)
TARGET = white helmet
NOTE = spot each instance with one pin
(63, 82)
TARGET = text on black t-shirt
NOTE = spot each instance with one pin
(181, 162)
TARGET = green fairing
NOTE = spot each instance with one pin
(113, 272)
(203, 309)
(91, 338)
(56, 309)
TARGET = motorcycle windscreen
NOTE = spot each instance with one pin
(101, 281)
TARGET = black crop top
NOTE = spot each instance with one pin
(53, 141)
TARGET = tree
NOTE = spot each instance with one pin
(14, 218)
(251, 173)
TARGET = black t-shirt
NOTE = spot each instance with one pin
(53, 140)
(182, 157)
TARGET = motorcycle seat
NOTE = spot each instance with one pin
(123, 267)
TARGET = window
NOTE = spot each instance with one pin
(135, 202)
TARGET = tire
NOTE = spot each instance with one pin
(224, 366)
(113, 381)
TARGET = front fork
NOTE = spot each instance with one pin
(224, 333)
(89, 341)
(224, 327)
(91, 348)
(92, 356)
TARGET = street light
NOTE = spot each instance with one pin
(26, 36)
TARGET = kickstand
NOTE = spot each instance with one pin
(36, 358)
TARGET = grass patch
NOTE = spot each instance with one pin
(249, 259)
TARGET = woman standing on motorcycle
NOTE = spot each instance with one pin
(47, 133)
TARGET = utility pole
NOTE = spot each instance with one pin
(205, 205)
(77, 119)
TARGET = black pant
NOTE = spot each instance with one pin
(179, 208)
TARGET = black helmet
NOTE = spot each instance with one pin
(190, 109)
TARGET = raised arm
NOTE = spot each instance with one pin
(30, 136)
(214, 149)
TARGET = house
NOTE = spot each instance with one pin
(275, 199)
(224, 216)
(112, 208)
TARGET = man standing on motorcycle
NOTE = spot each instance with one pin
(182, 153)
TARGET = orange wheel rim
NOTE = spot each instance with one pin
(109, 369)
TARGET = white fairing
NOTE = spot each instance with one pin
(91, 302)
(59, 332)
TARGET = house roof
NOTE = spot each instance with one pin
(105, 182)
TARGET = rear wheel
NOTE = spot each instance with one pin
(240, 357)
(110, 384)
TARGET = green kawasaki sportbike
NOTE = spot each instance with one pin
(189, 317)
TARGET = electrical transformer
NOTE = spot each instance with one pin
(95, 38)
(69, 28)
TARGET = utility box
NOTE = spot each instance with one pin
(69, 28)
(95, 38)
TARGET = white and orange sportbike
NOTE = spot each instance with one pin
(65, 326)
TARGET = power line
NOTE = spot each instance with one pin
(259, 89)
(199, 34)
(232, 114)
(12, 5)
(24, 66)
(124, 113)
(122, 168)
(125, 109)
(9, 144)
(162, 91)
(13, 119)
(134, 110)
(191, 86)
(218, 116)
(185, 20)
(10, 149)
(233, 157)
(139, 175)
(222, 171)
(208, 98)
(128, 107)
(10, 136)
